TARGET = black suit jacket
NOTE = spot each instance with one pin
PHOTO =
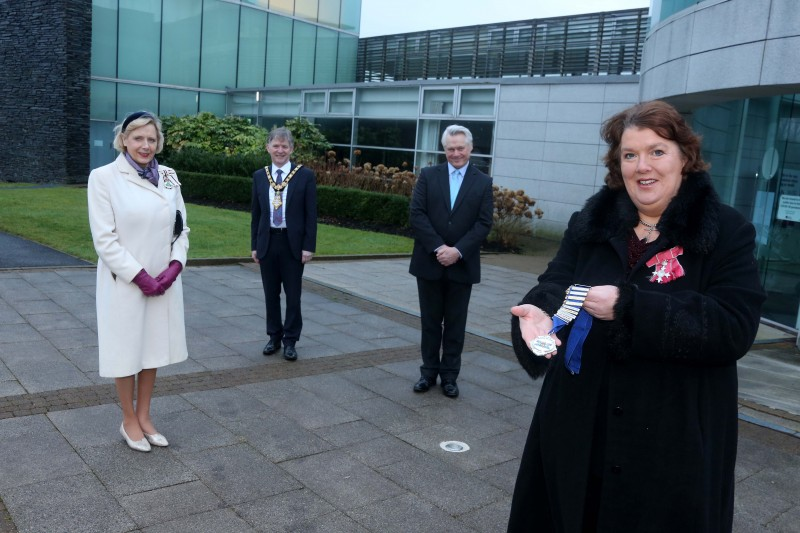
(300, 213)
(465, 226)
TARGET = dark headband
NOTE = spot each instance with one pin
(133, 116)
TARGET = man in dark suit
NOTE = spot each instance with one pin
(283, 237)
(451, 214)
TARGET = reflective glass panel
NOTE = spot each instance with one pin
(280, 103)
(336, 130)
(177, 102)
(103, 100)
(306, 9)
(180, 58)
(132, 98)
(314, 102)
(218, 53)
(212, 102)
(279, 39)
(380, 156)
(437, 102)
(388, 102)
(303, 47)
(388, 132)
(346, 64)
(477, 102)
(329, 12)
(340, 102)
(139, 40)
(325, 61)
(252, 48)
(351, 15)
(284, 6)
(244, 104)
(104, 38)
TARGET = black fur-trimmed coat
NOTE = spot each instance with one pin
(654, 407)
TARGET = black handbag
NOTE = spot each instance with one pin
(178, 229)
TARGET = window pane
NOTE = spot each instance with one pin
(346, 64)
(394, 133)
(336, 130)
(351, 15)
(103, 100)
(176, 102)
(260, 3)
(243, 104)
(303, 53)
(214, 103)
(132, 98)
(430, 135)
(104, 38)
(139, 39)
(390, 102)
(477, 102)
(218, 53)
(329, 12)
(280, 103)
(284, 6)
(252, 47)
(180, 59)
(306, 9)
(325, 62)
(314, 102)
(437, 102)
(279, 37)
(341, 102)
(391, 158)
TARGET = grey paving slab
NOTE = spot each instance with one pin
(384, 451)
(239, 473)
(124, 471)
(295, 510)
(226, 404)
(503, 476)
(78, 504)
(389, 416)
(171, 503)
(193, 431)
(218, 521)
(405, 513)
(481, 454)
(89, 426)
(334, 388)
(341, 479)
(348, 433)
(54, 375)
(278, 437)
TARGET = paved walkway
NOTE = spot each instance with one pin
(334, 442)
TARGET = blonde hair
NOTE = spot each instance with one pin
(135, 121)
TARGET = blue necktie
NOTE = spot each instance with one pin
(455, 185)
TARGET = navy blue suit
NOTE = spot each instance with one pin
(444, 292)
(280, 252)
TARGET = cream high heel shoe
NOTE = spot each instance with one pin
(140, 445)
(157, 439)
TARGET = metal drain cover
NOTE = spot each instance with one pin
(454, 446)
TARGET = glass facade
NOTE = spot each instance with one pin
(394, 125)
(179, 57)
(753, 146)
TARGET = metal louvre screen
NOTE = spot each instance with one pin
(582, 45)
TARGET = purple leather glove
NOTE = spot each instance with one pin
(148, 285)
(168, 277)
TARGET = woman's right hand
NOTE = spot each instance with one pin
(534, 322)
(147, 284)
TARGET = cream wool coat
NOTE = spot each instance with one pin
(132, 227)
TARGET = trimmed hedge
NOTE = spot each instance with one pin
(337, 202)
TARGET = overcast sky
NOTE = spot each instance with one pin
(384, 17)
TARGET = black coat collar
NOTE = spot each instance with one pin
(691, 219)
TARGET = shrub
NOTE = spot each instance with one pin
(512, 217)
(378, 178)
(205, 131)
(364, 206)
(234, 191)
(195, 160)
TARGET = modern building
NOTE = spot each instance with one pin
(533, 92)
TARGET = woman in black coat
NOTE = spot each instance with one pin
(640, 434)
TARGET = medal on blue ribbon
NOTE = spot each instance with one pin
(570, 310)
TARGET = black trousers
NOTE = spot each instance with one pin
(443, 306)
(280, 268)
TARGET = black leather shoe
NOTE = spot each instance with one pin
(289, 353)
(450, 389)
(272, 347)
(424, 384)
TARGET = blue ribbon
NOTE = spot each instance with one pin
(580, 329)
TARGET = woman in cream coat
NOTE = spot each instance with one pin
(142, 245)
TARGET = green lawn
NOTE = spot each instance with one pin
(57, 217)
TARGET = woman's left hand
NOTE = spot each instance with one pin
(601, 300)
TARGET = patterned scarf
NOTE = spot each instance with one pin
(150, 172)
